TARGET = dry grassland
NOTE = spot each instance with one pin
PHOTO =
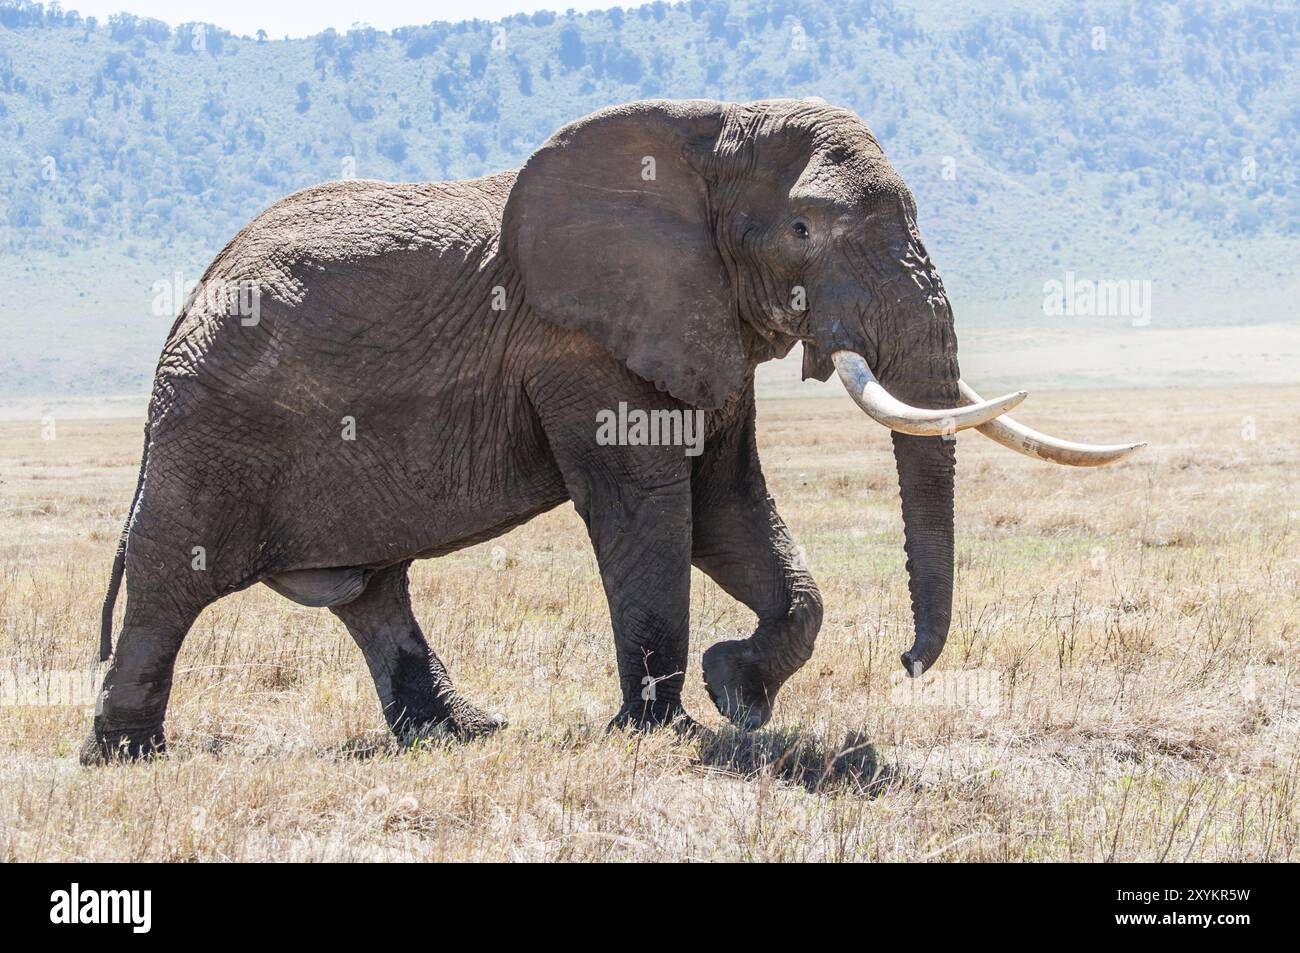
(1120, 683)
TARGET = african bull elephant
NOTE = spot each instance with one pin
(429, 367)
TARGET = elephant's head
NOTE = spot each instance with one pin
(696, 239)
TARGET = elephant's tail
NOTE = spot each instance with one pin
(119, 562)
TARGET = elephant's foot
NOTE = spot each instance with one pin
(458, 719)
(652, 715)
(107, 745)
(734, 680)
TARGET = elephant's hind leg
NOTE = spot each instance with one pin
(414, 689)
(132, 704)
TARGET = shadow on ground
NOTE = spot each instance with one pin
(851, 765)
(798, 757)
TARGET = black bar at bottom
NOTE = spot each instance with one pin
(136, 903)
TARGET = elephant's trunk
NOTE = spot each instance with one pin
(925, 481)
(907, 379)
(921, 368)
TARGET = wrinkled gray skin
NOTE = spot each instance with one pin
(611, 284)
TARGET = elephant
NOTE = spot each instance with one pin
(429, 365)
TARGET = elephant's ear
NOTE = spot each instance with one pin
(610, 228)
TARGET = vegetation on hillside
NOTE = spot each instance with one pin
(1113, 139)
(130, 128)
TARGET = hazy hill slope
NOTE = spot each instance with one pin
(1116, 140)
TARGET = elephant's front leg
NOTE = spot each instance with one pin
(744, 546)
(636, 502)
(642, 539)
(742, 543)
(634, 494)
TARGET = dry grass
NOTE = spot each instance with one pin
(1119, 684)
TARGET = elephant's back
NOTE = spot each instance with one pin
(352, 220)
(330, 291)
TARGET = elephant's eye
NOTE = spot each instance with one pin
(800, 229)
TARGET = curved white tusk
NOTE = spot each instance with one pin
(868, 394)
(1031, 443)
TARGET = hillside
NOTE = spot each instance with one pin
(1116, 140)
